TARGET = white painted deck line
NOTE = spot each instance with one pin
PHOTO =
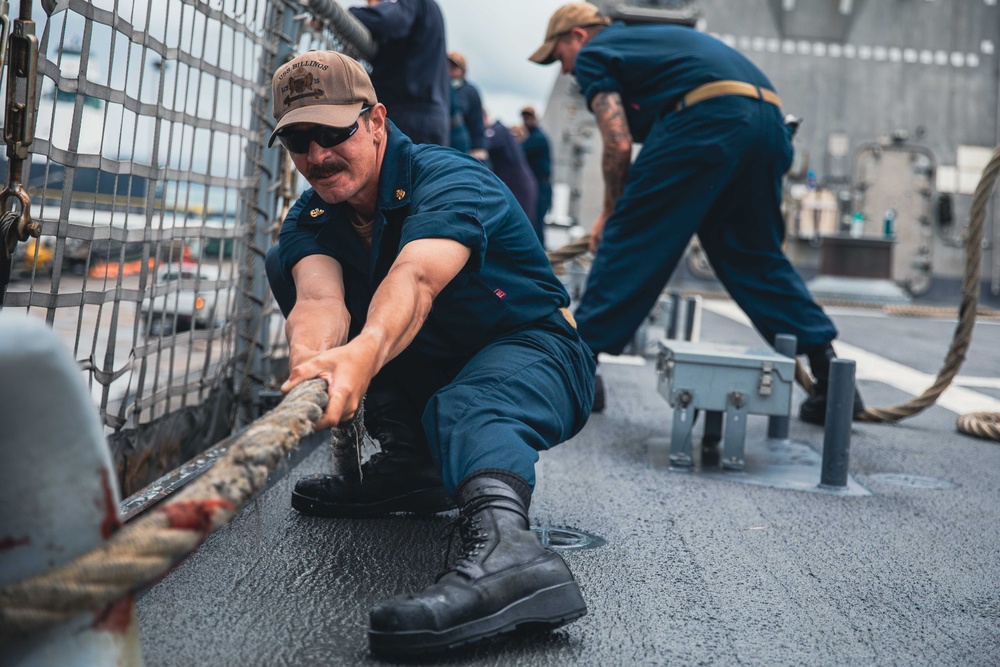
(621, 359)
(871, 366)
(971, 381)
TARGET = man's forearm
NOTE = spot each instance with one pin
(314, 326)
(319, 320)
(403, 301)
(398, 309)
(617, 146)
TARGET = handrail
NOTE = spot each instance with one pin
(352, 30)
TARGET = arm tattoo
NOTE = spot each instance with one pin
(617, 140)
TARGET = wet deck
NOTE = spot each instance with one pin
(696, 569)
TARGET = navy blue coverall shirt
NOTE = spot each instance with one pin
(497, 372)
(410, 71)
(713, 168)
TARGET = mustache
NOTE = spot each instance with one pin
(317, 171)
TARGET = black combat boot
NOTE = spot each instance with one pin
(813, 409)
(399, 478)
(504, 579)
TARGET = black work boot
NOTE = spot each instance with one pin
(813, 409)
(504, 579)
(399, 478)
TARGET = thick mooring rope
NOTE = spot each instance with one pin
(980, 424)
(569, 251)
(147, 548)
(971, 424)
(984, 425)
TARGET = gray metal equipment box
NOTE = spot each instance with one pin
(728, 382)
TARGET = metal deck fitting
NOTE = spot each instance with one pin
(729, 383)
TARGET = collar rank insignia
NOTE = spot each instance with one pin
(316, 212)
(400, 194)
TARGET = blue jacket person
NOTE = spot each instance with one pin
(410, 70)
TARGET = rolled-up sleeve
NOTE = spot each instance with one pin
(457, 200)
(596, 72)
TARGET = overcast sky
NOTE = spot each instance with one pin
(496, 39)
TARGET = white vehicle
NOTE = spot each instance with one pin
(186, 296)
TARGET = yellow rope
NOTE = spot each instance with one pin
(147, 548)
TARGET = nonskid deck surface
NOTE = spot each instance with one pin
(696, 569)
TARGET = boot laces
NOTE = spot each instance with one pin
(469, 526)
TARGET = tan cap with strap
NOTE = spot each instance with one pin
(322, 87)
(457, 59)
(569, 16)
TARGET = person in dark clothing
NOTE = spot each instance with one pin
(410, 70)
(410, 269)
(508, 162)
(467, 128)
(536, 150)
(715, 150)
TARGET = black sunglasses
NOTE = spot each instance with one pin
(297, 141)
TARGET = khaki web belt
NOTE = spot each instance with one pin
(720, 88)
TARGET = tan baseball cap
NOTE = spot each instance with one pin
(569, 16)
(322, 87)
(457, 59)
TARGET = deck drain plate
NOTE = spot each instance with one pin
(914, 481)
(567, 539)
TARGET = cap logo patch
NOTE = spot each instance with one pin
(300, 85)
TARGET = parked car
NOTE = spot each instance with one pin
(184, 296)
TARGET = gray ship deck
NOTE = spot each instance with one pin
(696, 569)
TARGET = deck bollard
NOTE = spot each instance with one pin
(837, 433)
(685, 318)
(777, 427)
(675, 322)
(59, 494)
(692, 319)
